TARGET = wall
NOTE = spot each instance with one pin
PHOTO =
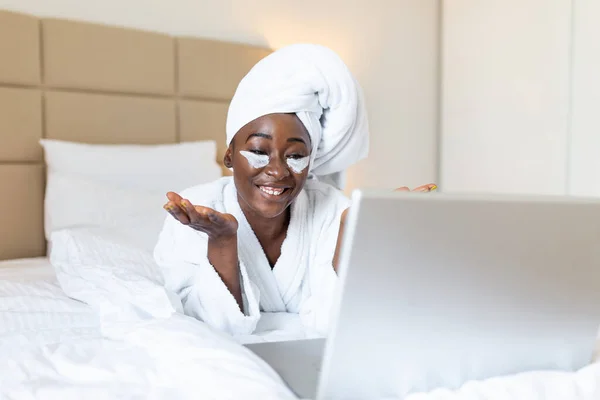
(584, 150)
(506, 96)
(391, 46)
(521, 96)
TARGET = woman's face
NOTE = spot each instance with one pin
(269, 157)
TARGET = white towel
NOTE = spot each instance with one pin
(313, 82)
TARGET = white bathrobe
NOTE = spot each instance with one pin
(302, 281)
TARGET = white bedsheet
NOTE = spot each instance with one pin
(53, 347)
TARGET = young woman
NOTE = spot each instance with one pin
(267, 239)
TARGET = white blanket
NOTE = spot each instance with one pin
(174, 358)
(303, 280)
(539, 385)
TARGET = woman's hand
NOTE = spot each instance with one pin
(218, 226)
(222, 250)
(424, 188)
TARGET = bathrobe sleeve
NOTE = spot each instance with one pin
(181, 254)
(321, 280)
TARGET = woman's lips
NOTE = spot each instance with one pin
(272, 192)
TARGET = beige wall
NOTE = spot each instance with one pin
(521, 96)
(506, 95)
(391, 45)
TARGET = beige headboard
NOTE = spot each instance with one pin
(92, 83)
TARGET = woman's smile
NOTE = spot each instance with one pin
(273, 193)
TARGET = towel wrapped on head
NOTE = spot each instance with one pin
(315, 84)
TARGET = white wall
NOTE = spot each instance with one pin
(391, 46)
(584, 152)
(506, 95)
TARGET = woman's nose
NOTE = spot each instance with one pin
(277, 168)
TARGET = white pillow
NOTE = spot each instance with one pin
(118, 280)
(72, 201)
(121, 187)
(162, 167)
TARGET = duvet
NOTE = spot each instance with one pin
(55, 347)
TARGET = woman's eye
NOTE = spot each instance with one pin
(258, 152)
(296, 156)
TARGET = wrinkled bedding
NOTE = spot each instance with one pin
(52, 346)
(55, 347)
(158, 359)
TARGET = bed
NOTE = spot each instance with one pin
(96, 123)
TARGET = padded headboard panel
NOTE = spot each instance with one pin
(92, 83)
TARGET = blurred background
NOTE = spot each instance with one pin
(476, 95)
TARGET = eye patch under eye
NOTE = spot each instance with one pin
(298, 164)
(256, 160)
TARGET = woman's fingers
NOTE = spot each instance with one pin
(174, 197)
(176, 211)
(200, 218)
(426, 188)
(423, 188)
(197, 215)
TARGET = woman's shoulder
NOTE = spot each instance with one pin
(207, 194)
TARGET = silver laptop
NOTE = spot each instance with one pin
(439, 289)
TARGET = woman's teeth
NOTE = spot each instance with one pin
(272, 191)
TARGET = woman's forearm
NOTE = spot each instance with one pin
(223, 256)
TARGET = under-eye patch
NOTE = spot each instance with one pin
(298, 164)
(255, 160)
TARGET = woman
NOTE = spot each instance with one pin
(268, 238)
